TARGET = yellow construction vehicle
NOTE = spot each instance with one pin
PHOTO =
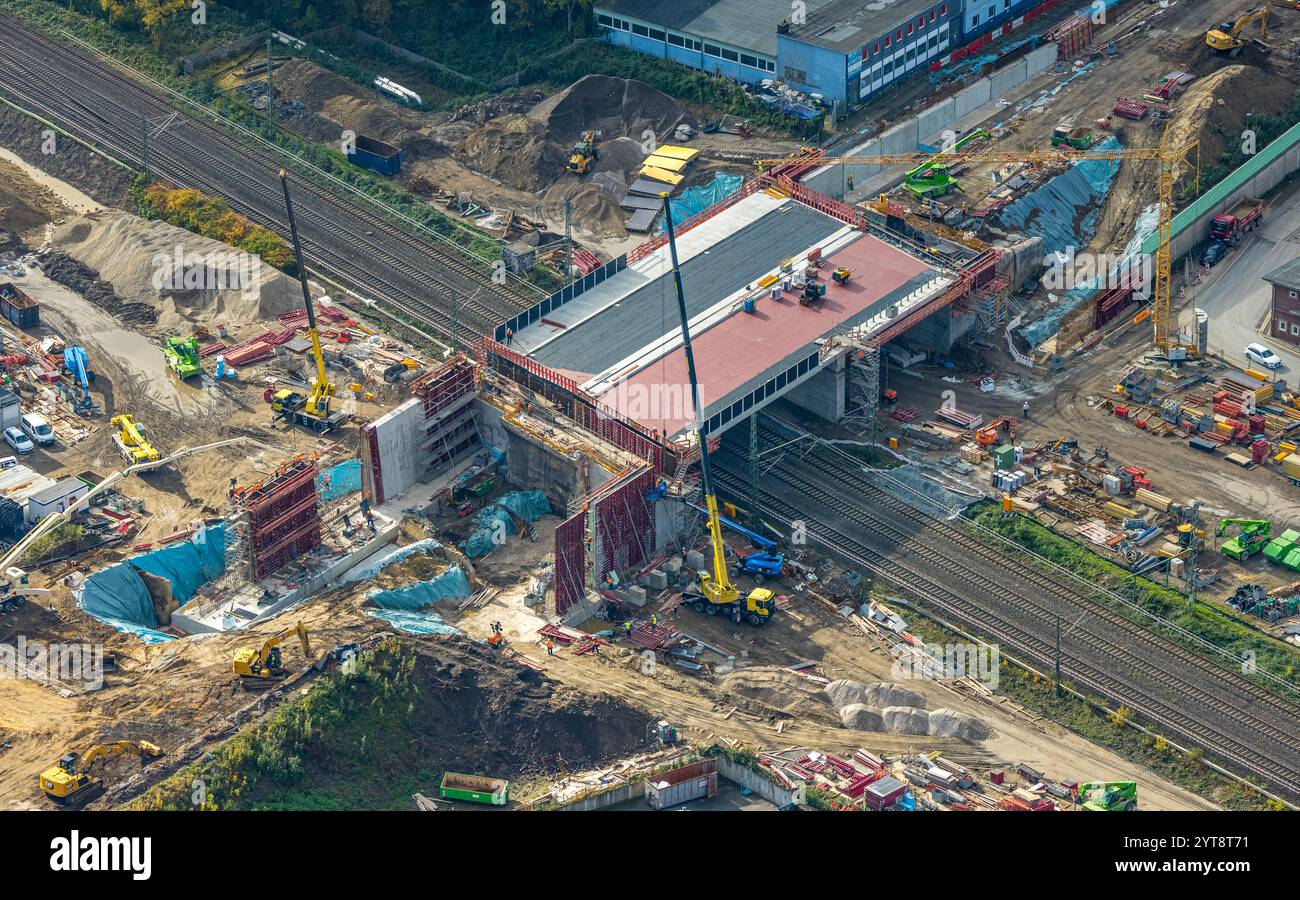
(584, 153)
(261, 666)
(715, 594)
(1176, 347)
(1226, 37)
(312, 411)
(71, 781)
(130, 441)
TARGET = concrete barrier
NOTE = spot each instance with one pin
(1003, 82)
(935, 120)
(1040, 60)
(972, 98)
(757, 782)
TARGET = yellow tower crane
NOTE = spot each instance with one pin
(1170, 158)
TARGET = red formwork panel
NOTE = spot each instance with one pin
(283, 518)
(621, 433)
(570, 563)
(625, 523)
(442, 386)
(370, 462)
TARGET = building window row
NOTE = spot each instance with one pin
(687, 43)
(757, 396)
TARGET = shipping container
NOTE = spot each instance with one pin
(379, 156)
(693, 782)
(19, 308)
(475, 789)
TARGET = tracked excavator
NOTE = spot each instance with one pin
(715, 594)
(261, 667)
(1226, 38)
(71, 781)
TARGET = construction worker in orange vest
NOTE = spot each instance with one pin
(550, 648)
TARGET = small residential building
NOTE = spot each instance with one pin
(55, 499)
(1285, 281)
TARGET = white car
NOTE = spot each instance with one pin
(15, 438)
(1258, 353)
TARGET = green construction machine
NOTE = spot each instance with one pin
(182, 356)
(932, 178)
(1277, 550)
(1108, 796)
(1251, 540)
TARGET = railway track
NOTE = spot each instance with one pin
(1242, 726)
(347, 239)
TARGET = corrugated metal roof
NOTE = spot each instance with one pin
(846, 25)
(1287, 275)
(744, 24)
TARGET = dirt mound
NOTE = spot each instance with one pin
(905, 720)
(514, 150)
(779, 689)
(946, 722)
(595, 210)
(84, 280)
(415, 568)
(135, 255)
(24, 206)
(617, 107)
(622, 156)
(860, 717)
(343, 105)
(878, 694)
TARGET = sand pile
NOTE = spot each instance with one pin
(779, 689)
(879, 694)
(905, 720)
(515, 151)
(889, 707)
(950, 723)
(594, 209)
(138, 257)
(861, 717)
(617, 107)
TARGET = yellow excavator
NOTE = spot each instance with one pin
(1226, 37)
(70, 781)
(715, 594)
(131, 442)
(261, 666)
(584, 153)
(312, 411)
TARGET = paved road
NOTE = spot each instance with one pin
(1238, 298)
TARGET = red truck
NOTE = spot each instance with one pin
(1231, 226)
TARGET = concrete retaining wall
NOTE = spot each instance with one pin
(937, 118)
(758, 783)
(606, 799)
(1006, 80)
(972, 98)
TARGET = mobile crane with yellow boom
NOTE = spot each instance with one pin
(715, 594)
(312, 411)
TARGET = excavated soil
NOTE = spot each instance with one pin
(126, 251)
(481, 713)
(779, 689)
(514, 150)
(614, 106)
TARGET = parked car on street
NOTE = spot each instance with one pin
(1261, 355)
(1213, 253)
(15, 438)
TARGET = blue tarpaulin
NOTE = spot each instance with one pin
(339, 481)
(1063, 212)
(118, 596)
(188, 565)
(693, 201)
(450, 585)
(493, 521)
(414, 622)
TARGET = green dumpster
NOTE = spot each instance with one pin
(475, 789)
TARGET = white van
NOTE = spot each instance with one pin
(36, 428)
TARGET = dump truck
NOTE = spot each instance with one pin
(474, 789)
(1245, 216)
(376, 155)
